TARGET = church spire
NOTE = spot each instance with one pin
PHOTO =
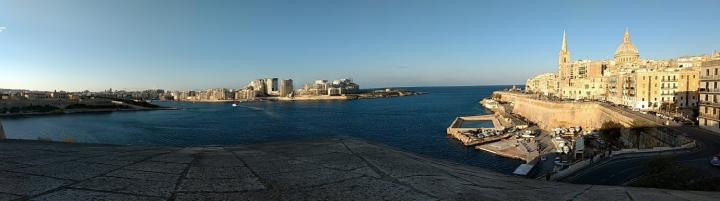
(564, 43)
(564, 56)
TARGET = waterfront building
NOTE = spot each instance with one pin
(286, 88)
(258, 85)
(544, 84)
(334, 88)
(248, 93)
(710, 95)
(271, 86)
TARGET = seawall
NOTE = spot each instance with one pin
(549, 114)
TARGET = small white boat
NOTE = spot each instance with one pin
(234, 104)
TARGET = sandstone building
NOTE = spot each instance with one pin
(710, 95)
(665, 85)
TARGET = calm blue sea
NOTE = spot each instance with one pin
(415, 123)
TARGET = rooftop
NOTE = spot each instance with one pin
(321, 169)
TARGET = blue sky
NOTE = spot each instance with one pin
(138, 44)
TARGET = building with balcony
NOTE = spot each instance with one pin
(626, 79)
(710, 95)
(545, 84)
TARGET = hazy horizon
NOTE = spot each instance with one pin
(179, 45)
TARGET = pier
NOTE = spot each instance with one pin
(474, 136)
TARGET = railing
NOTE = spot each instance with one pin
(709, 116)
(709, 77)
(710, 103)
(669, 80)
(715, 90)
(668, 87)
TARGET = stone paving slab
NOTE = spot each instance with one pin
(163, 167)
(74, 170)
(80, 195)
(130, 186)
(152, 176)
(25, 184)
(8, 197)
(322, 169)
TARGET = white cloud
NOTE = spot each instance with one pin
(2, 29)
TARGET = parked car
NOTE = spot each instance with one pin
(715, 161)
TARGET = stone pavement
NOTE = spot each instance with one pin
(322, 169)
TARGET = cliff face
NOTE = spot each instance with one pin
(548, 114)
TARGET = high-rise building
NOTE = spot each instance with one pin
(271, 86)
(258, 85)
(286, 88)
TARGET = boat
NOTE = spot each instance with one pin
(234, 104)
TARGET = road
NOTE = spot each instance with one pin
(622, 171)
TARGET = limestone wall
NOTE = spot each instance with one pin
(548, 114)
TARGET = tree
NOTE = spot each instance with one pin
(667, 107)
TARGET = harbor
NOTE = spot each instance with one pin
(557, 137)
(504, 134)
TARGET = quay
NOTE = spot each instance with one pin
(473, 136)
(506, 137)
(313, 169)
(560, 130)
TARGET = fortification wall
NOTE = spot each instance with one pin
(549, 114)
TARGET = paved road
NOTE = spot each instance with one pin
(622, 171)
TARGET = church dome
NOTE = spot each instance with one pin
(627, 52)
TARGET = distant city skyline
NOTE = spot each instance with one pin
(177, 45)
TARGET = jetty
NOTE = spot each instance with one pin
(471, 136)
